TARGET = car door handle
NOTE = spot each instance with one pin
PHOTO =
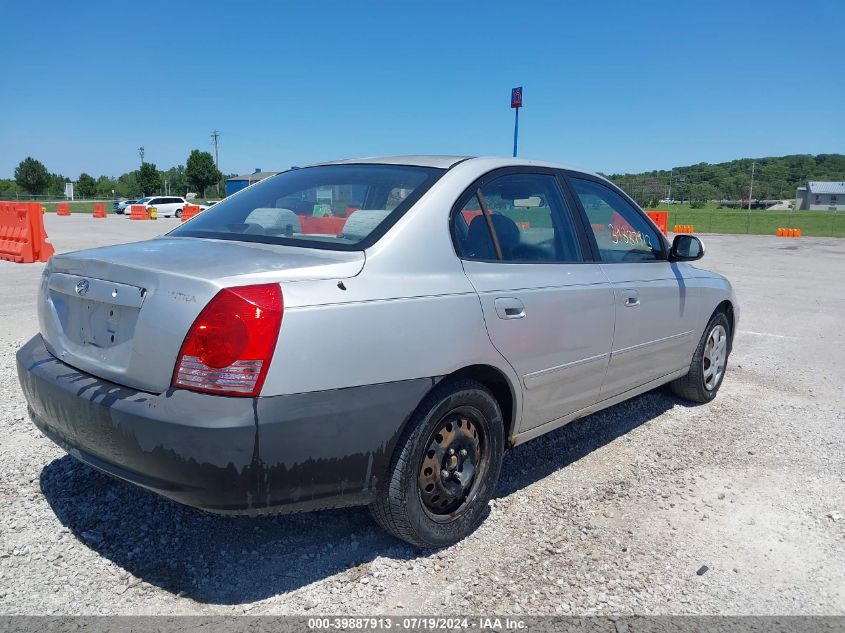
(632, 301)
(509, 308)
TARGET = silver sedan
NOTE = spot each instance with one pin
(369, 332)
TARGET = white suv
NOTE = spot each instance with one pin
(166, 206)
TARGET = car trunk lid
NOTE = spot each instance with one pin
(121, 312)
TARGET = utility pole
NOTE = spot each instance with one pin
(751, 188)
(215, 136)
(141, 154)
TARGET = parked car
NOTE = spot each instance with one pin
(387, 358)
(166, 206)
(119, 206)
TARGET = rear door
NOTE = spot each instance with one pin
(170, 205)
(175, 204)
(548, 309)
(653, 334)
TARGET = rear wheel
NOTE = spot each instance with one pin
(709, 363)
(445, 467)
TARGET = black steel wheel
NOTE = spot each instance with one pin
(445, 466)
(453, 463)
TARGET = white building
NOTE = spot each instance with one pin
(821, 196)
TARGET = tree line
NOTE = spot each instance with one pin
(198, 174)
(775, 178)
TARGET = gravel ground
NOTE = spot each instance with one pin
(650, 507)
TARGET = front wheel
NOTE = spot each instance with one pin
(445, 466)
(707, 369)
(178, 213)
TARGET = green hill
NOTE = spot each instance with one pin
(775, 177)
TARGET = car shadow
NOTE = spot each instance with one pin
(535, 460)
(236, 560)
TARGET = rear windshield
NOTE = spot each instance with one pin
(338, 207)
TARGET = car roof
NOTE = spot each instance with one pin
(447, 162)
(441, 162)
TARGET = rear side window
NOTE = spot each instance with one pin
(621, 232)
(517, 218)
(339, 207)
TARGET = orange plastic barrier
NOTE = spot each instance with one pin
(99, 210)
(470, 214)
(138, 212)
(22, 236)
(189, 211)
(661, 219)
(784, 232)
(598, 228)
(62, 209)
(326, 225)
(683, 228)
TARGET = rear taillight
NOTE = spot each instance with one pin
(229, 346)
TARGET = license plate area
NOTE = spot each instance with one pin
(97, 316)
(103, 324)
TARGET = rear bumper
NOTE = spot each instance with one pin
(227, 455)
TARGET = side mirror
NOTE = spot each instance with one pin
(686, 248)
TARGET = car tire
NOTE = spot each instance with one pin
(457, 428)
(178, 213)
(709, 362)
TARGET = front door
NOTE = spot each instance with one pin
(653, 336)
(548, 311)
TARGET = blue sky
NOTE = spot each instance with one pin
(609, 86)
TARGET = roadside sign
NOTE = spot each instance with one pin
(516, 97)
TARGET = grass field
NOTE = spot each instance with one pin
(711, 219)
(76, 206)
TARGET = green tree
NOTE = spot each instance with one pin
(32, 176)
(56, 185)
(177, 183)
(201, 171)
(7, 187)
(148, 179)
(105, 186)
(86, 186)
(128, 186)
(701, 193)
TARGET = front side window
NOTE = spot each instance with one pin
(517, 218)
(621, 232)
(337, 207)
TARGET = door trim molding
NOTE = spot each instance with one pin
(658, 341)
(537, 431)
(536, 378)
